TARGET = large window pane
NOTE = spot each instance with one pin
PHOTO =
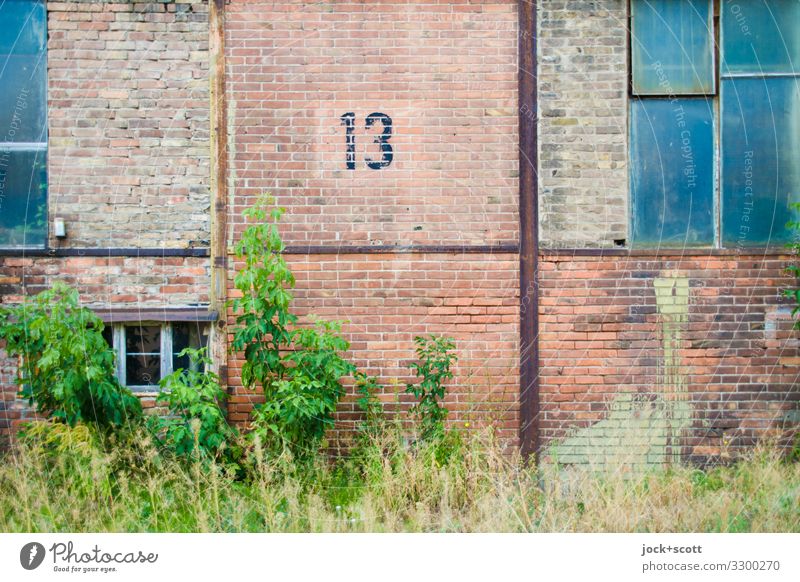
(760, 168)
(23, 198)
(23, 99)
(24, 25)
(760, 36)
(23, 124)
(672, 176)
(672, 47)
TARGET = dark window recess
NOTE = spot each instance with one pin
(108, 335)
(142, 355)
(187, 335)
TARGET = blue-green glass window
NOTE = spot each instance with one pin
(23, 124)
(672, 47)
(760, 159)
(760, 110)
(672, 175)
(760, 37)
(758, 105)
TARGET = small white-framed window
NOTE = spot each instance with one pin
(146, 352)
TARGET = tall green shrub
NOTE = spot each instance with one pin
(67, 368)
(298, 369)
(264, 282)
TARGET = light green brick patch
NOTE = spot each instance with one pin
(639, 431)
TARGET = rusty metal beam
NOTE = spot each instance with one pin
(219, 181)
(529, 236)
(219, 152)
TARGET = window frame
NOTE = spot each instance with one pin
(37, 148)
(776, 239)
(713, 97)
(166, 355)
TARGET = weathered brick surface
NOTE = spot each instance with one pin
(388, 299)
(9, 414)
(583, 126)
(445, 72)
(654, 356)
(128, 123)
(110, 282)
(128, 160)
(691, 356)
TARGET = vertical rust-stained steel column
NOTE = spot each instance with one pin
(529, 235)
(219, 179)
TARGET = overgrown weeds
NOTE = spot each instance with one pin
(124, 484)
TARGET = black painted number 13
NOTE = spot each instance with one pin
(349, 121)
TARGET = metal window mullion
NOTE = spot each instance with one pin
(23, 146)
(118, 338)
(166, 350)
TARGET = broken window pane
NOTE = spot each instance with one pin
(760, 36)
(672, 47)
(760, 170)
(672, 176)
(142, 355)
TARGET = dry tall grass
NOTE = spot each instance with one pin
(69, 480)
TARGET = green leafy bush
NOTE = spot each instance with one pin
(299, 369)
(196, 420)
(436, 357)
(66, 366)
(368, 402)
(300, 405)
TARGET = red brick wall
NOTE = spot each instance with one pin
(110, 282)
(387, 299)
(654, 356)
(445, 72)
(722, 364)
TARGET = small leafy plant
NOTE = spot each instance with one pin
(436, 358)
(194, 399)
(368, 402)
(794, 246)
(66, 366)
